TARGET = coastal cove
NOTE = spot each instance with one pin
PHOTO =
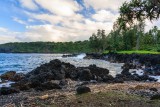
(49, 75)
(25, 62)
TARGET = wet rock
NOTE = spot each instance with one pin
(83, 89)
(155, 97)
(21, 85)
(92, 73)
(99, 79)
(153, 89)
(108, 78)
(118, 80)
(48, 86)
(94, 56)
(126, 72)
(42, 77)
(8, 75)
(85, 75)
(129, 66)
(8, 90)
(63, 83)
(34, 83)
(18, 77)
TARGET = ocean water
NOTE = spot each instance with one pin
(24, 62)
(27, 62)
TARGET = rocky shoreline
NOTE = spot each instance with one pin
(66, 78)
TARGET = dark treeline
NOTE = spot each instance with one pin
(46, 47)
(133, 39)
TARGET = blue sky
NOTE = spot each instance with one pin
(56, 20)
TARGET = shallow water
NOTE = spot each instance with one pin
(24, 62)
(27, 62)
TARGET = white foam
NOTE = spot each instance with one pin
(156, 77)
(6, 84)
(140, 72)
(81, 56)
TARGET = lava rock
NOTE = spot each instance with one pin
(83, 89)
(48, 86)
(63, 83)
(126, 72)
(155, 97)
(85, 75)
(8, 90)
(8, 75)
(108, 78)
(22, 85)
(18, 77)
(153, 89)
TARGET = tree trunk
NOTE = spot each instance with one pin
(138, 42)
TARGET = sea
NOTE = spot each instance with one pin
(25, 62)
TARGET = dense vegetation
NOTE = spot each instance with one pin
(128, 31)
(132, 39)
(46, 47)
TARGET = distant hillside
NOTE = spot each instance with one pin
(46, 47)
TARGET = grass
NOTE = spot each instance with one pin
(136, 52)
(110, 99)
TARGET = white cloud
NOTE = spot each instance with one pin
(7, 36)
(104, 15)
(28, 4)
(3, 29)
(60, 7)
(19, 21)
(104, 4)
(150, 25)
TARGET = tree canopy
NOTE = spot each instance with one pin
(138, 10)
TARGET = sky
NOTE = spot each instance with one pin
(57, 20)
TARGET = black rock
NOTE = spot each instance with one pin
(63, 82)
(83, 89)
(155, 97)
(48, 86)
(126, 72)
(21, 85)
(85, 75)
(8, 75)
(8, 90)
(18, 77)
(153, 89)
(108, 78)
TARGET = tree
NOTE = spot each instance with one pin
(139, 10)
(98, 41)
(94, 42)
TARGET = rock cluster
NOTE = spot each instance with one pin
(53, 75)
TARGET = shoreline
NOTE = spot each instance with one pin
(123, 83)
(61, 98)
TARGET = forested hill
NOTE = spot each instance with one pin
(46, 47)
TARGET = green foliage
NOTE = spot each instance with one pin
(46, 47)
(132, 39)
(140, 10)
(98, 41)
(138, 52)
